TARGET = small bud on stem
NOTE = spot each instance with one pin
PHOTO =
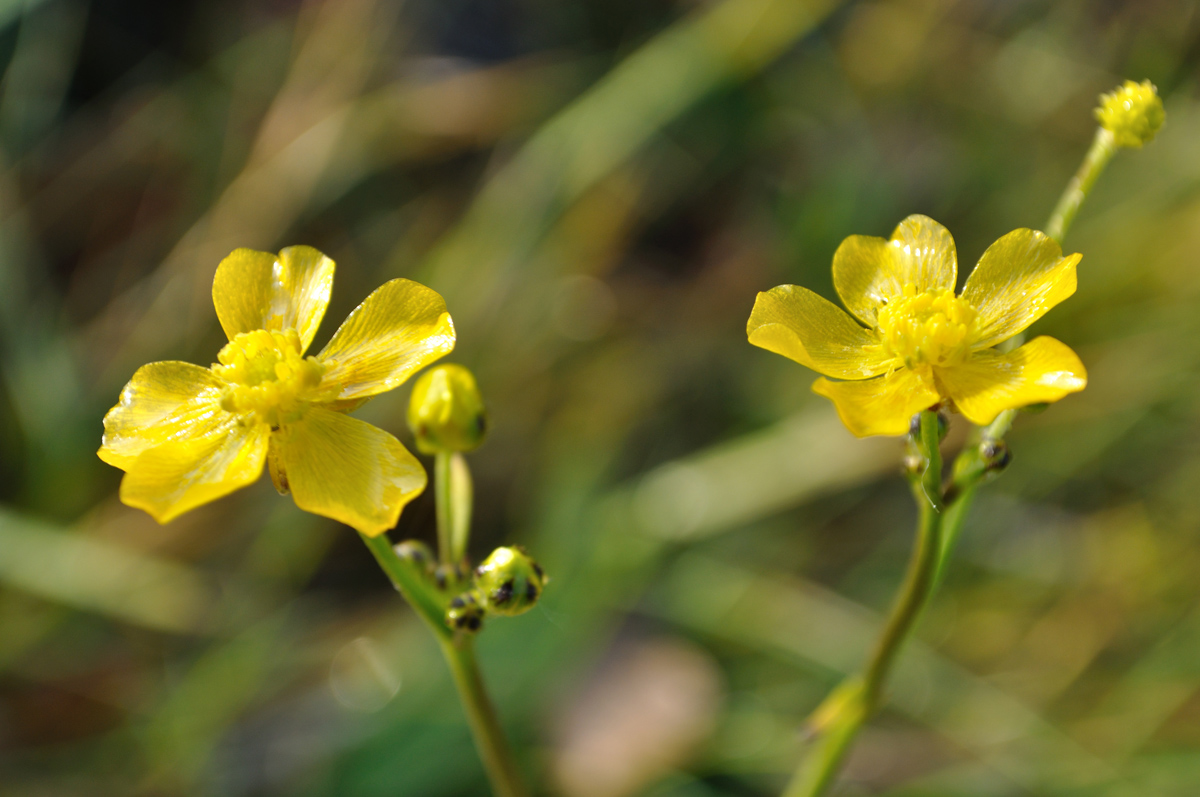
(1132, 112)
(509, 581)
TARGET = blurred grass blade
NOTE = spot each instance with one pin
(217, 688)
(39, 75)
(11, 9)
(98, 576)
(757, 475)
(802, 619)
(295, 143)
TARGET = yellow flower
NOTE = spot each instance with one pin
(186, 435)
(922, 344)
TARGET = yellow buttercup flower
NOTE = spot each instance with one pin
(923, 345)
(186, 435)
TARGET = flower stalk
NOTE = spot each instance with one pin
(489, 737)
(447, 417)
(413, 582)
(1129, 117)
(453, 496)
(452, 486)
(850, 706)
(1098, 156)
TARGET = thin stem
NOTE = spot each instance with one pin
(823, 761)
(408, 579)
(854, 703)
(489, 737)
(846, 713)
(453, 498)
(918, 586)
(441, 493)
(970, 470)
(460, 656)
(839, 719)
(1098, 156)
(929, 488)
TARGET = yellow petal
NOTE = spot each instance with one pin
(869, 271)
(180, 475)
(884, 405)
(397, 330)
(816, 333)
(1042, 370)
(164, 401)
(1017, 280)
(348, 470)
(259, 290)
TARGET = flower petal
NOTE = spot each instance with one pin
(164, 401)
(259, 290)
(884, 405)
(180, 475)
(869, 271)
(348, 470)
(815, 332)
(1042, 370)
(397, 330)
(1018, 279)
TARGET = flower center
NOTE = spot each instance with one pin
(266, 375)
(931, 328)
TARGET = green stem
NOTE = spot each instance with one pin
(839, 719)
(929, 489)
(453, 495)
(441, 494)
(458, 650)
(1101, 152)
(970, 469)
(413, 584)
(847, 713)
(489, 737)
(850, 706)
(918, 586)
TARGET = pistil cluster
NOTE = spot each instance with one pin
(930, 328)
(267, 376)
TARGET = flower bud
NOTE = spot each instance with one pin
(995, 455)
(1133, 113)
(509, 581)
(451, 576)
(416, 552)
(465, 613)
(446, 412)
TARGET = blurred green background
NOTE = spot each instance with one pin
(598, 188)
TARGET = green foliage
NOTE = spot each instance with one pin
(598, 218)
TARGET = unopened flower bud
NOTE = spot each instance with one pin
(451, 576)
(416, 552)
(1133, 113)
(465, 613)
(995, 455)
(446, 412)
(509, 581)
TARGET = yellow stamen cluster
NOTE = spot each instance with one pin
(932, 328)
(267, 375)
(1133, 113)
